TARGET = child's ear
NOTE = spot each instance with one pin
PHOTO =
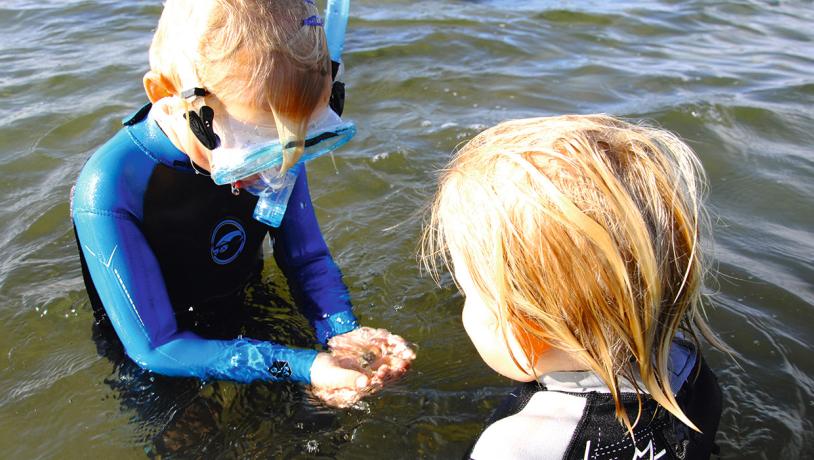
(157, 86)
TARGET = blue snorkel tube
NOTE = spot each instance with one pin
(336, 23)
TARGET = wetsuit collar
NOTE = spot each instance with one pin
(683, 358)
(146, 133)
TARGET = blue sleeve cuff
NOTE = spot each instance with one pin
(334, 324)
(296, 368)
(247, 360)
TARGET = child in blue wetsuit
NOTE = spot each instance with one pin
(239, 95)
(575, 241)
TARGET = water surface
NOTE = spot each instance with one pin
(735, 79)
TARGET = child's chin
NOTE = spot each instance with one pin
(511, 371)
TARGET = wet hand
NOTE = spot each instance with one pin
(360, 362)
(381, 355)
(337, 384)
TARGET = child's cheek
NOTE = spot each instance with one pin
(478, 325)
(199, 154)
(482, 327)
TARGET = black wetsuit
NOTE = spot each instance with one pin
(571, 415)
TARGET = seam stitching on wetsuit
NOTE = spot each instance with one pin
(132, 304)
(104, 212)
(150, 154)
(141, 146)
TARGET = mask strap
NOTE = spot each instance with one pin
(337, 100)
(201, 123)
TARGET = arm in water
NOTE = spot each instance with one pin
(128, 280)
(314, 279)
(317, 287)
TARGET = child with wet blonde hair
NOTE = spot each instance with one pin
(236, 87)
(266, 61)
(575, 241)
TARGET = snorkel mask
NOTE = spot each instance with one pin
(253, 154)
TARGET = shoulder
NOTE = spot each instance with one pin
(114, 178)
(542, 429)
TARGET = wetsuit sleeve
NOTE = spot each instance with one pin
(313, 277)
(127, 277)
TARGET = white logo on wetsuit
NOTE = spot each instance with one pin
(228, 239)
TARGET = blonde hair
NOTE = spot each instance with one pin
(258, 51)
(584, 232)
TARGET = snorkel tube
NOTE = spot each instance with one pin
(336, 23)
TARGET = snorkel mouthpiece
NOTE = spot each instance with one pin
(273, 201)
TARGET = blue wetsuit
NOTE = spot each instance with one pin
(154, 235)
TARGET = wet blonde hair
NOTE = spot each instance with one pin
(258, 52)
(584, 232)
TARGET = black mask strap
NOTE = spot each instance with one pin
(201, 123)
(337, 101)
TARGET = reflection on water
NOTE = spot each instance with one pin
(179, 417)
(733, 78)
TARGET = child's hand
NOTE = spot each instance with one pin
(336, 384)
(381, 355)
(359, 364)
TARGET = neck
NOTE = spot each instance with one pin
(557, 360)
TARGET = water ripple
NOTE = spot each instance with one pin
(733, 78)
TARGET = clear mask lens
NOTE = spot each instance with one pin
(247, 150)
(254, 155)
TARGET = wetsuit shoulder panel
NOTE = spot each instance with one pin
(541, 429)
(114, 179)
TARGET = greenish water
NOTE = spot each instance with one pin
(735, 79)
